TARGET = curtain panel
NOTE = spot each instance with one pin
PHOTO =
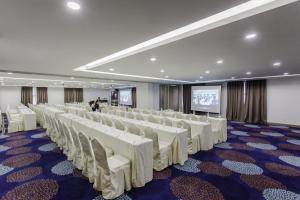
(42, 95)
(133, 94)
(73, 95)
(26, 95)
(186, 93)
(247, 101)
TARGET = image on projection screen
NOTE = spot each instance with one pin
(206, 98)
(125, 97)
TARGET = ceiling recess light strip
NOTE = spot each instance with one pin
(236, 13)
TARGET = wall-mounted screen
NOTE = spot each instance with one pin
(206, 98)
(125, 97)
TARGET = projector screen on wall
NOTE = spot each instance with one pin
(206, 98)
(125, 97)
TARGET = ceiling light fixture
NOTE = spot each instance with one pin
(111, 69)
(220, 62)
(72, 78)
(248, 73)
(251, 36)
(166, 76)
(9, 73)
(277, 64)
(201, 77)
(286, 73)
(233, 14)
(207, 72)
(153, 59)
(162, 71)
(73, 5)
(233, 77)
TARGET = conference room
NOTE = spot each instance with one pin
(149, 100)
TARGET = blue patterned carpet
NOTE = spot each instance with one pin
(257, 162)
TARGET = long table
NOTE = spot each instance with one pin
(173, 135)
(29, 118)
(137, 149)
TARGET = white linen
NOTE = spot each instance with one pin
(29, 118)
(135, 148)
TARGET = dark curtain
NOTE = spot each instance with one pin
(73, 95)
(186, 98)
(163, 97)
(26, 95)
(247, 102)
(133, 94)
(42, 95)
(256, 101)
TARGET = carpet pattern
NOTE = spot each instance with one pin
(257, 162)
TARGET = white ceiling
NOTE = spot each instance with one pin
(46, 37)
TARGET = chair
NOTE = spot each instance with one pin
(131, 128)
(112, 175)
(130, 115)
(89, 116)
(162, 151)
(167, 121)
(87, 157)
(107, 121)
(119, 125)
(194, 118)
(152, 119)
(61, 139)
(69, 142)
(77, 151)
(139, 117)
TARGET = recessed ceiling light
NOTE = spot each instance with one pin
(201, 77)
(207, 72)
(162, 71)
(73, 5)
(251, 36)
(220, 62)
(166, 76)
(286, 73)
(277, 64)
(196, 80)
(153, 59)
(111, 69)
(72, 78)
(248, 73)
(9, 73)
(233, 77)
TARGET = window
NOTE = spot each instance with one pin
(34, 95)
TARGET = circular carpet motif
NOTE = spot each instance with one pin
(262, 146)
(273, 134)
(292, 134)
(251, 126)
(3, 148)
(292, 160)
(214, 169)
(242, 168)
(191, 165)
(282, 169)
(21, 160)
(39, 135)
(235, 156)
(162, 174)
(18, 150)
(121, 197)
(241, 146)
(191, 188)
(63, 168)
(280, 194)
(48, 147)
(17, 137)
(261, 182)
(43, 189)
(24, 175)
(229, 128)
(3, 136)
(239, 133)
(224, 145)
(5, 169)
(296, 142)
(18, 143)
(296, 131)
(279, 126)
(254, 140)
(290, 147)
(277, 153)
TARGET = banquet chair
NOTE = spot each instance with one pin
(122, 114)
(119, 125)
(77, 151)
(108, 121)
(167, 121)
(57, 130)
(131, 128)
(130, 115)
(87, 157)
(152, 119)
(162, 151)
(95, 117)
(194, 118)
(179, 116)
(112, 175)
(69, 142)
(61, 140)
(139, 117)
(89, 116)
(49, 129)
(193, 140)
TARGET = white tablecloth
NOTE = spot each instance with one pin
(29, 118)
(137, 149)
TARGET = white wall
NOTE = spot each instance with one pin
(56, 95)
(284, 100)
(9, 96)
(90, 94)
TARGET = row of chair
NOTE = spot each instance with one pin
(109, 172)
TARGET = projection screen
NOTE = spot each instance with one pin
(125, 97)
(206, 98)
